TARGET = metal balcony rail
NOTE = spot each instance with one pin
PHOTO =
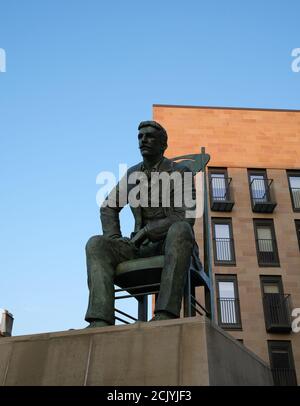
(296, 197)
(284, 376)
(220, 188)
(260, 189)
(223, 249)
(277, 308)
(262, 195)
(229, 311)
(267, 252)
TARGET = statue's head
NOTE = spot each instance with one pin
(153, 139)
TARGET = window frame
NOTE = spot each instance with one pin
(277, 312)
(229, 278)
(272, 279)
(221, 171)
(258, 172)
(293, 173)
(227, 221)
(282, 345)
(257, 222)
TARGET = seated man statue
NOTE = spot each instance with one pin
(158, 230)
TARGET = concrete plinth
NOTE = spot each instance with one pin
(190, 351)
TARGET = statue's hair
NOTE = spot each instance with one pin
(157, 126)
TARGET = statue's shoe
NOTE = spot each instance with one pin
(98, 323)
(163, 316)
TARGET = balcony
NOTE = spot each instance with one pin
(224, 252)
(267, 252)
(221, 198)
(262, 195)
(229, 313)
(296, 198)
(277, 309)
(284, 377)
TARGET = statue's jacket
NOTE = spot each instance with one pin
(157, 228)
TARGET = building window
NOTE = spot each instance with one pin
(294, 185)
(219, 189)
(297, 223)
(277, 305)
(266, 246)
(261, 191)
(228, 302)
(223, 241)
(282, 363)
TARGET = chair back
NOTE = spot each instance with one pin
(195, 162)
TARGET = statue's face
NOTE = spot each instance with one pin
(150, 142)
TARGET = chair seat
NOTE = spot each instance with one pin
(139, 272)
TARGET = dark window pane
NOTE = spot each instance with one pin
(280, 359)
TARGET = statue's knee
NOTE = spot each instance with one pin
(181, 230)
(94, 244)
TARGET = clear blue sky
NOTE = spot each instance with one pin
(80, 76)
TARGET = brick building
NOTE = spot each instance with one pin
(254, 188)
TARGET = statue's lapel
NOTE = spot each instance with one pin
(166, 165)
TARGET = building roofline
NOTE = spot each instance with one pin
(223, 108)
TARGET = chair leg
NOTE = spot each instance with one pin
(189, 291)
(143, 308)
(208, 301)
(193, 293)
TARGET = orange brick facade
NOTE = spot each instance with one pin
(238, 139)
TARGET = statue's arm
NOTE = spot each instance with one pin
(109, 212)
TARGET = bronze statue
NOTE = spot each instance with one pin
(158, 231)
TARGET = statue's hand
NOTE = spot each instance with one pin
(139, 237)
(126, 240)
(123, 239)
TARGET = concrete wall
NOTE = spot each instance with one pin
(174, 352)
(231, 363)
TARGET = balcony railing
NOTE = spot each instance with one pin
(224, 252)
(229, 312)
(267, 252)
(262, 195)
(221, 195)
(277, 308)
(296, 197)
(284, 377)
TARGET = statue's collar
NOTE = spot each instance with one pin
(164, 165)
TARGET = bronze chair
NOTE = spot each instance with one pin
(141, 277)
